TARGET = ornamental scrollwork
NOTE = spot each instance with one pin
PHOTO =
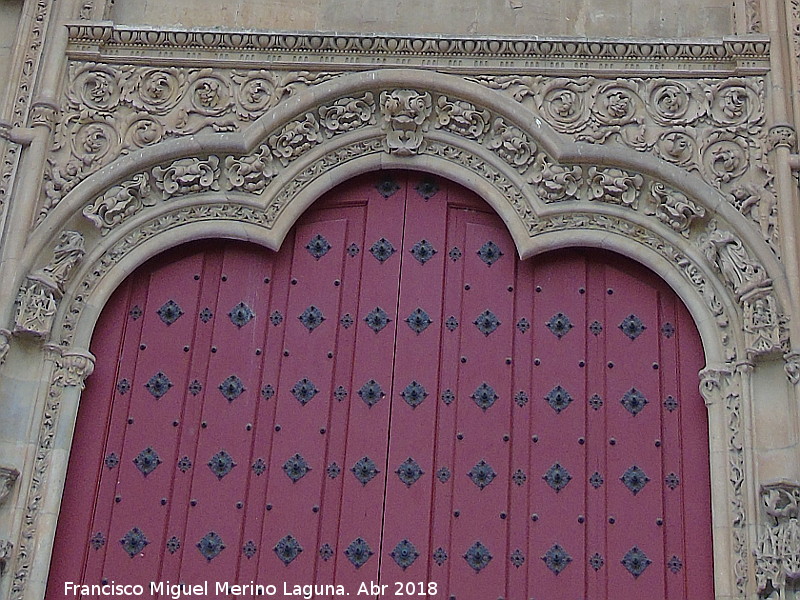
(39, 298)
(777, 553)
(110, 110)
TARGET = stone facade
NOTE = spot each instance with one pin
(120, 139)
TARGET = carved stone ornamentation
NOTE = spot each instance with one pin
(73, 367)
(461, 118)
(8, 476)
(6, 550)
(404, 120)
(781, 135)
(762, 322)
(38, 300)
(251, 173)
(792, 366)
(674, 209)
(5, 344)
(777, 553)
(119, 202)
(615, 186)
(187, 176)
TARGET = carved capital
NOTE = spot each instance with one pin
(8, 476)
(781, 135)
(777, 554)
(6, 548)
(73, 367)
(44, 114)
(712, 382)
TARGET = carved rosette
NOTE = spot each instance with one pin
(777, 553)
(38, 299)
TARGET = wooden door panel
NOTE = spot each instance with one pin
(394, 396)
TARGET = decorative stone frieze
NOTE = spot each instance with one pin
(8, 476)
(777, 553)
(39, 298)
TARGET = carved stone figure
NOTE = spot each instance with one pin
(405, 114)
(615, 186)
(8, 476)
(38, 301)
(762, 322)
(6, 548)
(777, 553)
(119, 203)
(675, 209)
(728, 254)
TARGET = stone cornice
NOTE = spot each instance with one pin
(105, 41)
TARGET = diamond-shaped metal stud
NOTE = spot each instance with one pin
(443, 474)
(111, 461)
(596, 402)
(296, 467)
(482, 474)
(409, 471)
(147, 460)
(134, 542)
(668, 329)
(486, 322)
(371, 393)
(318, 246)
(517, 558)
(382, 250)
(353, 250)
(556, 559)
(170, 312)
(418, 321)
(173, 545)
(249, 549)
(184, 464)
(241, 314)
(634, 479)
(455, 253)
(596, 561)
(427, 189)
(521, 398)
(206, 315)
(333, 470)
(414, 393)
(346, 321)
(124, 386)
(304, 390)
(451, 323)
(232, 388)
(596, 480)
(557, 477)
(440, 556)
(377, 319)
(287, 549)
(340, 393)
(596, 328)
(97, 541)
(387, 187)
(559, 324)
(635, 561)
(404, 554)
(326, 552)
(259, 467)
(423, 251)
(484, 396)
(267, 392)
(674, 564)
(478, 556)
(633, 401)
(632, 326)
(221, 464)
(490, 253)
(670, 403)
(195, 387)
(523, 325)
(448, 397)
(672, 481)
(364, 470)
(311, 318)
(519, 477)
(136, 312)
(358, 552)
(558, 398)
(276, 318)
(158, 385)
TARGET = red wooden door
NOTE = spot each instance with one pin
(393, 397)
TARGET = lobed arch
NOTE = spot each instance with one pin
(110, 254)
